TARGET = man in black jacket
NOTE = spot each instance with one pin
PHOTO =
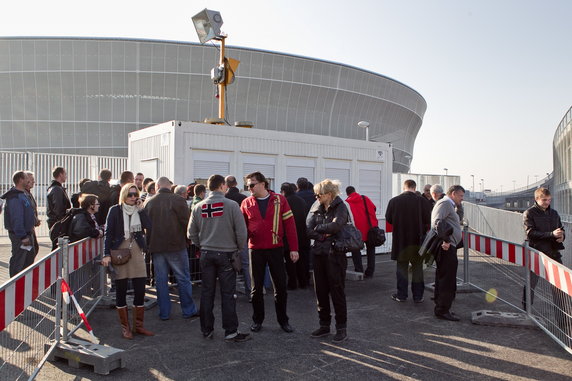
(298, 273)
(544, 232)
(58, 200)
(410, 216)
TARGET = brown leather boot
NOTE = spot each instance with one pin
(139, 312)
(124, 320)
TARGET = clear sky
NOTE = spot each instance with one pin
(495, 74)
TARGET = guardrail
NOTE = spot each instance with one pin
(33, 316)
(523, 278)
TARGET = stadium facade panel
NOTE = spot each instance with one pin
(84, 95)
(562, 160)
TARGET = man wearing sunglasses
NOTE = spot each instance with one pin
(268, 218)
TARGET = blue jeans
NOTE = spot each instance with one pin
(178, 261)
(216, 264)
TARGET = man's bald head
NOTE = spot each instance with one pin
(163, 182)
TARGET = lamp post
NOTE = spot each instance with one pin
(473, 176)
(446, 171)
(483, 183)
(364, 124)
(207, 24)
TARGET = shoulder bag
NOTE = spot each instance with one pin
(121, 256)
(348, 238)
(375, 235)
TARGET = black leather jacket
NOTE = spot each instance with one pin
(539, 225)
(323, 225)
(83, 226)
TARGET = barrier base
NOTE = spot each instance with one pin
(462, 288)
(103, 358)
(503, 319)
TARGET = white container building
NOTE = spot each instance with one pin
(188, 152)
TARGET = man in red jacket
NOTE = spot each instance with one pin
(268, 217)
(361, 215)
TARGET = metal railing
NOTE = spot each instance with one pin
(78, 167)
(33, 318)
(523, 278)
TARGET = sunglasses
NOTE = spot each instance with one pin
(318, 195)
(132, 194)
(252, 185)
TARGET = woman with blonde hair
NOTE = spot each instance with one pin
(125, 227)
(324, 221)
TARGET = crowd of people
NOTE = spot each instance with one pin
(156, 232)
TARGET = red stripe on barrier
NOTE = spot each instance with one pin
(75, 258)
(498, 245)
(84, 252)
(568, 281)
(477, 243)
(3, 312)
(35, 282)
(557, 281)
(488, 246)
(48, 272)
(512, 253)
(19, 289)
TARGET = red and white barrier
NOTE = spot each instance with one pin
(545, 267)
(20, 291)
(67, 293)
(25, 287)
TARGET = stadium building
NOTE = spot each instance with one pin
(85, 95)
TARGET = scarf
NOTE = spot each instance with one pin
(131, 220)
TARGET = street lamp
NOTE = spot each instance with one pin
(483, 182)
(446, 171)
(364, 124)
(473, 176)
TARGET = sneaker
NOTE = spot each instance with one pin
(419, 300)
(208, 335)
(397, 299)
(237, 337)
(341, 335)
(321, 332)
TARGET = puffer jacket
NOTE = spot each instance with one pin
(539, 225)
(322, 226)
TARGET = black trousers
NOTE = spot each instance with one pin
(445, 280)
(138, 291)
(358, 266)
(330, 282)
(402, 275)
(298, 272)
(216, 264)
(274, 258)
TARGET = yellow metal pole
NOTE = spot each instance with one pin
(221, 86)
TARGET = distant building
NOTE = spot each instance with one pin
(85, 95)
(562, 153)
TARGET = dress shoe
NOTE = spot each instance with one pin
(286, 328)
(256, 327)
(448, 316)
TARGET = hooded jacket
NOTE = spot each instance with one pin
(19, 217)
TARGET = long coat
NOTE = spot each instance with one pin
(410, 216)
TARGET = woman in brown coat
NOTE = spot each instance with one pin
(125, 226)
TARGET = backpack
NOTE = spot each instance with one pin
(62, 227)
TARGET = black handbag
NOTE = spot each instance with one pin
(348, 238)
(375, 235)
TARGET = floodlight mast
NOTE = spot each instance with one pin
(208, 23)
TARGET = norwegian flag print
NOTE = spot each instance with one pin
(212, 210)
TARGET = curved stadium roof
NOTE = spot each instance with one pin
(84, 95)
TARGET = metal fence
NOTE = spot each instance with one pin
(33, 316)
(501, 269)
(78, 167)
(509, 226)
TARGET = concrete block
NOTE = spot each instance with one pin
(103, 358)
(503, 319)
(354, 275)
